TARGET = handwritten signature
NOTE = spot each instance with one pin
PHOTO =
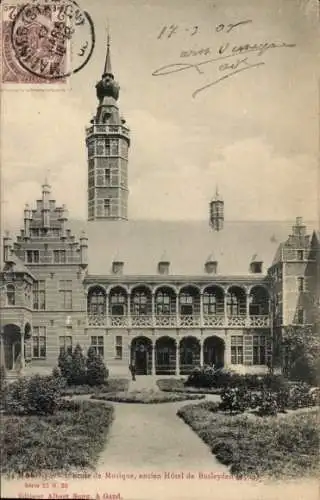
(229, 69)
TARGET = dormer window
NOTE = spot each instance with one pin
(300, 254)
(211, 266)
(117, 267)
(256, 267)
(163, 267)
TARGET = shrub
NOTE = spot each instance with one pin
(235, 400)
(268, 405)
(37, 395)
(3, 384)
(78, 367)
(300, 396)
(65, 365)
(97, 373)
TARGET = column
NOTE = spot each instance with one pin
(153, 318)
(128, 309)
(201, 352)
(153, 364)
(227, 351)
(22, 360)
(201, 309)
(177, 310)
(107, 309)
(247, 308)
(225, 308)
(177, 358)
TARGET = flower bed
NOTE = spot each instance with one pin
(145, 397)
(278, 447)
(70, 438)
(177, 385)
(111, 385)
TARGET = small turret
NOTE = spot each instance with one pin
(211, 265)
(83, 250)
(63, 217)
(7, 248)
(216, 212)
(45, 205)
(27, 219)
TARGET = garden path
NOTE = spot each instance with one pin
(152, 436)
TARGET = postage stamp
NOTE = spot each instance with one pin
(44, 42)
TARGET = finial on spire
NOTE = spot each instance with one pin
(107, 66)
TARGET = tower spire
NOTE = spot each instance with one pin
(107, 65)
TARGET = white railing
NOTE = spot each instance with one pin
(165, 320)
(214, 320)
(141, 321)
(184, 321)
(237, 320)
(259, 321)
(118, 321)
(189, 320)
(96, 320)
(107, 129)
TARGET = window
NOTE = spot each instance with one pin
(300, 316)
(59, 256)
(96, 301)
(301, 284)
(209, 303)
(39, 295)
(118, 301)
(259, 350)
(164, 305)
(114, 146)
(237, 350)
(118, 347)
(32, 256)
(233, 306)
(300, 254)
(97, 343)
(34, 232)
(39, 342)
(11, 295)
(140, 303)
(65, 343)
(107, 176)
(65, 290)
(106, 207)
(186, 304)
(256, 267)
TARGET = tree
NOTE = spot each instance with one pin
(97, 372)
(78, 366)
(65, 364)
(302, 348)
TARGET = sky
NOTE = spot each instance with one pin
(254, 134)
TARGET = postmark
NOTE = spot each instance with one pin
(45, 42)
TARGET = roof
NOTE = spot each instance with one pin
(187, 244)
(17, 266)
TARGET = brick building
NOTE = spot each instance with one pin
(168, 295)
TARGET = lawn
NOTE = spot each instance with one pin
(177, 385)
(259, 447)
(145, 397)
(71, 438)
(111, 385)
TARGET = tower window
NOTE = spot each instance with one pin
(59, 256)
(106, 207)
(33, 256)
(301, 284)
(300, 254)
(107, 176)
(11, 295)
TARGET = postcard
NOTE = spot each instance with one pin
(160, 249)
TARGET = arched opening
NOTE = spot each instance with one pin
(189, 354)
(141, 306)
(165, 306)
(11, 341)
(141, 355)
(189, 305)
(165, 356)
(213, 306)
(27, 342)
(236, 306)
(11, 295)
(118, 306)
(96, 305)
(258, 301)
(213, 351)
